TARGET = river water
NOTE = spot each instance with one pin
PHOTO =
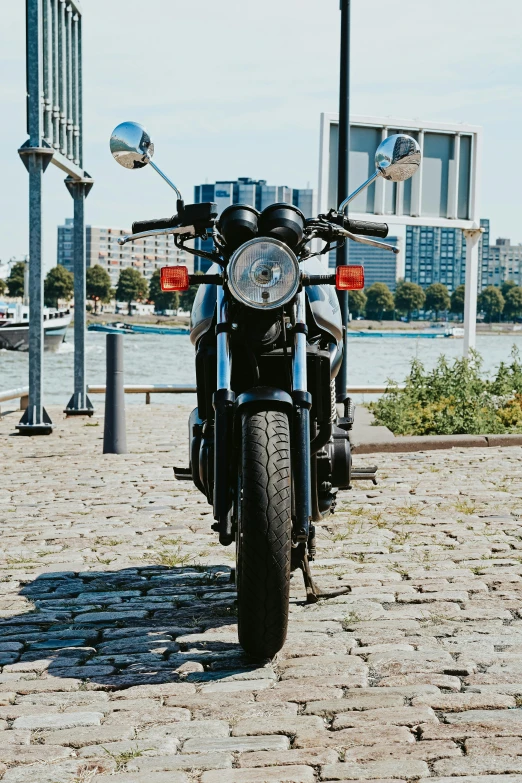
(169, 359)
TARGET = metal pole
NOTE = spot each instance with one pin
(79, 404)
(114, 436)
(36, 158)
(472, 237)
(34, 418)
(54, 120)
(341, 382)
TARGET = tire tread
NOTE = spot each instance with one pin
(264, 567)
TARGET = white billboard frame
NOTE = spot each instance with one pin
(470, 226)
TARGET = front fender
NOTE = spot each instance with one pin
(263, 398)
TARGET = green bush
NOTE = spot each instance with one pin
(454, 399)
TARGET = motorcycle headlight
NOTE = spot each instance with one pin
(263, 273)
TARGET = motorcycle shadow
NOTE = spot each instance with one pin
(135, 626)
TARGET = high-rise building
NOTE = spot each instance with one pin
(505, 263)
(255, 193)
(438, 255)
(101, 247)
(65, 244)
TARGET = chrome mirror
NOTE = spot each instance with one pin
(397, 159)
(131, 146)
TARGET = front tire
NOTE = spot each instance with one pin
(264, 533)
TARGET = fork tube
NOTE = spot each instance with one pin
(300, 381)
(301, 430)
(224, 399)
(224, 365)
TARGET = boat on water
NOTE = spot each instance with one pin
(455, 331)
(115, 328)
(143, 329)
(122, 328)
(14, 327)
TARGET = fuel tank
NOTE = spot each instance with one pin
(324, 306)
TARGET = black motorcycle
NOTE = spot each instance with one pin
(267, 446)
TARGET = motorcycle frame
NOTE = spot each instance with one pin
(227, 409)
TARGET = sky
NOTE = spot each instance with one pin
(236, 88)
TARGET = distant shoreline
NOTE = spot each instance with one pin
(426, 326)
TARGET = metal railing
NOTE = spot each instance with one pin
(12, 394)
(62, 77)
(147, 390)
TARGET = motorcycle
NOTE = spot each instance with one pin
(269, 440)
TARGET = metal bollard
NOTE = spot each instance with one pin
(114, 435)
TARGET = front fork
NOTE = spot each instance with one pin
(302, 399)
(224, 400)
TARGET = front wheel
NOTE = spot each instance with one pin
(264, 537)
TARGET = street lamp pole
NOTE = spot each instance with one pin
(341, 381)
(54, 126)
(79, 404)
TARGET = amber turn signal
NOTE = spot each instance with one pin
(174, 278)
(349, 278)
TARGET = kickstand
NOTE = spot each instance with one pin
(313, 593)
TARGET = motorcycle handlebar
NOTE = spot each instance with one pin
(152, 225)
(361, 227)
(366, 229)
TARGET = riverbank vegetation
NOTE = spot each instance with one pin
(410, 300)
(454, 399)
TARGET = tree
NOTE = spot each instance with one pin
(163, 300)
(506, 286)
(98, 285)
(437, 298)
(408, 297)
(3, 287)
(457, 300)
(357, 302)
(491, 302)
(379, 299)
(59, 284)
(513, 302)
(15, 281)
(131, 285)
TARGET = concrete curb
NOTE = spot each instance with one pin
(431, 442)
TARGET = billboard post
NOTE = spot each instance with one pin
(472, 236)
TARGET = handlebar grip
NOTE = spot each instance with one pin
(366, 229)
(153, 225)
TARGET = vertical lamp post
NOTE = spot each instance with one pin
(54, 126)
(341, 382)
(36, 157)
(79, 404)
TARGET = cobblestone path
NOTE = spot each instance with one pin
(118, 647)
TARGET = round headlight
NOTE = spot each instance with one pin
(264, 274)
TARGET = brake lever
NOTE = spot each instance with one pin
(189, 231)
(365, 241)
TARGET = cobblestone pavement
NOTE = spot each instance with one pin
(118, 639)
